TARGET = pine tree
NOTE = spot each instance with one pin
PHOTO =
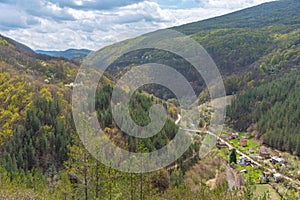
(232, 156)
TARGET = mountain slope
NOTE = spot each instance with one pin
(23, 74)
(35, 117)
(251, 47)
(243, 45)
(272, 13)
(271, 110)
(18, 45)
(42, 157)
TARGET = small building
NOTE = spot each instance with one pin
(230, 137)
(259, 157)
(243, 142)
(276, 159)
(224, 136)
(71, 85)
(221, 145)
(47, 81)
(244, 161)
(235, 135)
(277, 177)
(275, 153)
(264, 152)
(251, 151)
(265, 177)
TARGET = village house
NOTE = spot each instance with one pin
(244, 161)
(277, 177)
(230, 137)
(264, 152)
(234, 135)
(221, 145)
(275, 153)
(277, 159)
(243, 142)
(251, 151)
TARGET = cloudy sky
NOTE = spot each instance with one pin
(92, 24)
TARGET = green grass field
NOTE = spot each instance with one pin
(263, 188)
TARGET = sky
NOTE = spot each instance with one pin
(93, 24)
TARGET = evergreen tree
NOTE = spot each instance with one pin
(232, 156)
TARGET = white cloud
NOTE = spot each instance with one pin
(77, 24)
(94, 29)
(184, 16)
(14, 18)
(94, 4)
(229, 4)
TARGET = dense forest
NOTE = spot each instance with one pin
(273, 110)
(41, 154)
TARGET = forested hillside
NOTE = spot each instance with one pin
(273, 110)
(41, 157)
(248, 46)
(283, 12)
(36, 125)
(23, 77)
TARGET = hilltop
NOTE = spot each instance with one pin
(69, 54)
(283, 12)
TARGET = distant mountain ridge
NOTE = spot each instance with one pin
(67, 54)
